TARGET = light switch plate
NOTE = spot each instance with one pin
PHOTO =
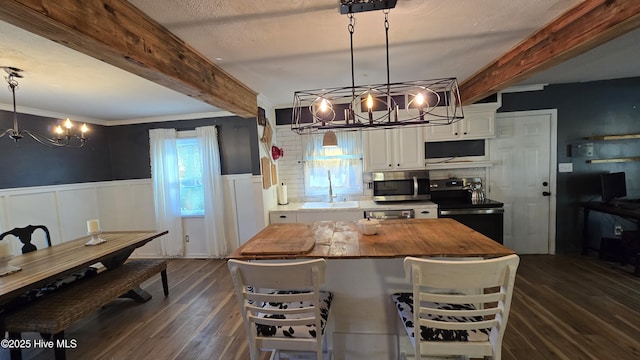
(565, 167)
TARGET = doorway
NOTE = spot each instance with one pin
(523, 177)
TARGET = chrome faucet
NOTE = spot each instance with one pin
(330, 188)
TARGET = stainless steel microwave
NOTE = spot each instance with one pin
(401, 186)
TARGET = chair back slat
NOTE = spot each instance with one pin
(293, 311)
(468, 274)
(267, 296)
(461, 298)
(292, 276)
(283, 322)
(464, 313)
(471, 325)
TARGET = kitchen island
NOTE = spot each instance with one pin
(363, 271)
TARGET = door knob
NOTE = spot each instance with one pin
(546, 193)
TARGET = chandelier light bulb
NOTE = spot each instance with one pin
(324, 105)
(58, 130)
(369, 102)
(84, 128)
(420, 99)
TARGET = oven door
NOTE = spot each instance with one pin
(488, 222)
(400, 186)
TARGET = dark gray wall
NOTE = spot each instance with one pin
(113, 153)
(588, 109)
(27, 163)
(237, 137)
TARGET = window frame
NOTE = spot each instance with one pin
(181, 136)
(321, 189)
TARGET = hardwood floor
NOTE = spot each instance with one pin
(563, 308)
(573, 308)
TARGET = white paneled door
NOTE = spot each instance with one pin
(522, 178)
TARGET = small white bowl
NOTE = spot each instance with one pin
(368, 226)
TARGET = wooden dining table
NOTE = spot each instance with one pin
(47, 264)
(364, 270)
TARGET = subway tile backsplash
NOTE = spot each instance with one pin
(290, 166)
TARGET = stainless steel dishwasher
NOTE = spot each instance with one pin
(390, 214)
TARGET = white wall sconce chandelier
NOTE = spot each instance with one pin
(423, 102)
(63, 136)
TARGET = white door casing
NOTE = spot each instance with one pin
(524, 159)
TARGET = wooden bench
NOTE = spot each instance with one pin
(53, 313)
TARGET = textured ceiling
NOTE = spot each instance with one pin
(277, 47)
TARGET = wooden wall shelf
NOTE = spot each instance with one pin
(614, 137)
(615, 160)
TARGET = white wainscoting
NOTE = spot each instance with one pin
(122, 205)
(243, 202)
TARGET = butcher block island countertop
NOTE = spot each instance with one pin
(395, 238)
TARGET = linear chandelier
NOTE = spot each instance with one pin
(421, 102)
(62, 138)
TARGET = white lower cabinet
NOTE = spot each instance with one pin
(429, 212)
(281, 217)
(313, 216)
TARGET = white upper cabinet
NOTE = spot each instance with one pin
(409, 146)
(477, 124)
(377, 150)
(397, 148)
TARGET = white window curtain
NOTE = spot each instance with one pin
(344, 162)
(214, 214)
(166, 189)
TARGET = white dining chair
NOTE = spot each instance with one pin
(460, 307)
(282, 305)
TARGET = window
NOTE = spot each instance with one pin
(343, 162)
(190, 172)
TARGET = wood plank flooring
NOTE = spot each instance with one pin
(563, 308)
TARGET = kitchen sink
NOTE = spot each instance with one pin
(328, 205)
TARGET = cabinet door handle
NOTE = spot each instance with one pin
(425, 212)
(283, 216)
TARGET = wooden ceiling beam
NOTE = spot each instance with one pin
(119, 34)
(580, 29)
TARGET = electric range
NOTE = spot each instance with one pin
(454, 200)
